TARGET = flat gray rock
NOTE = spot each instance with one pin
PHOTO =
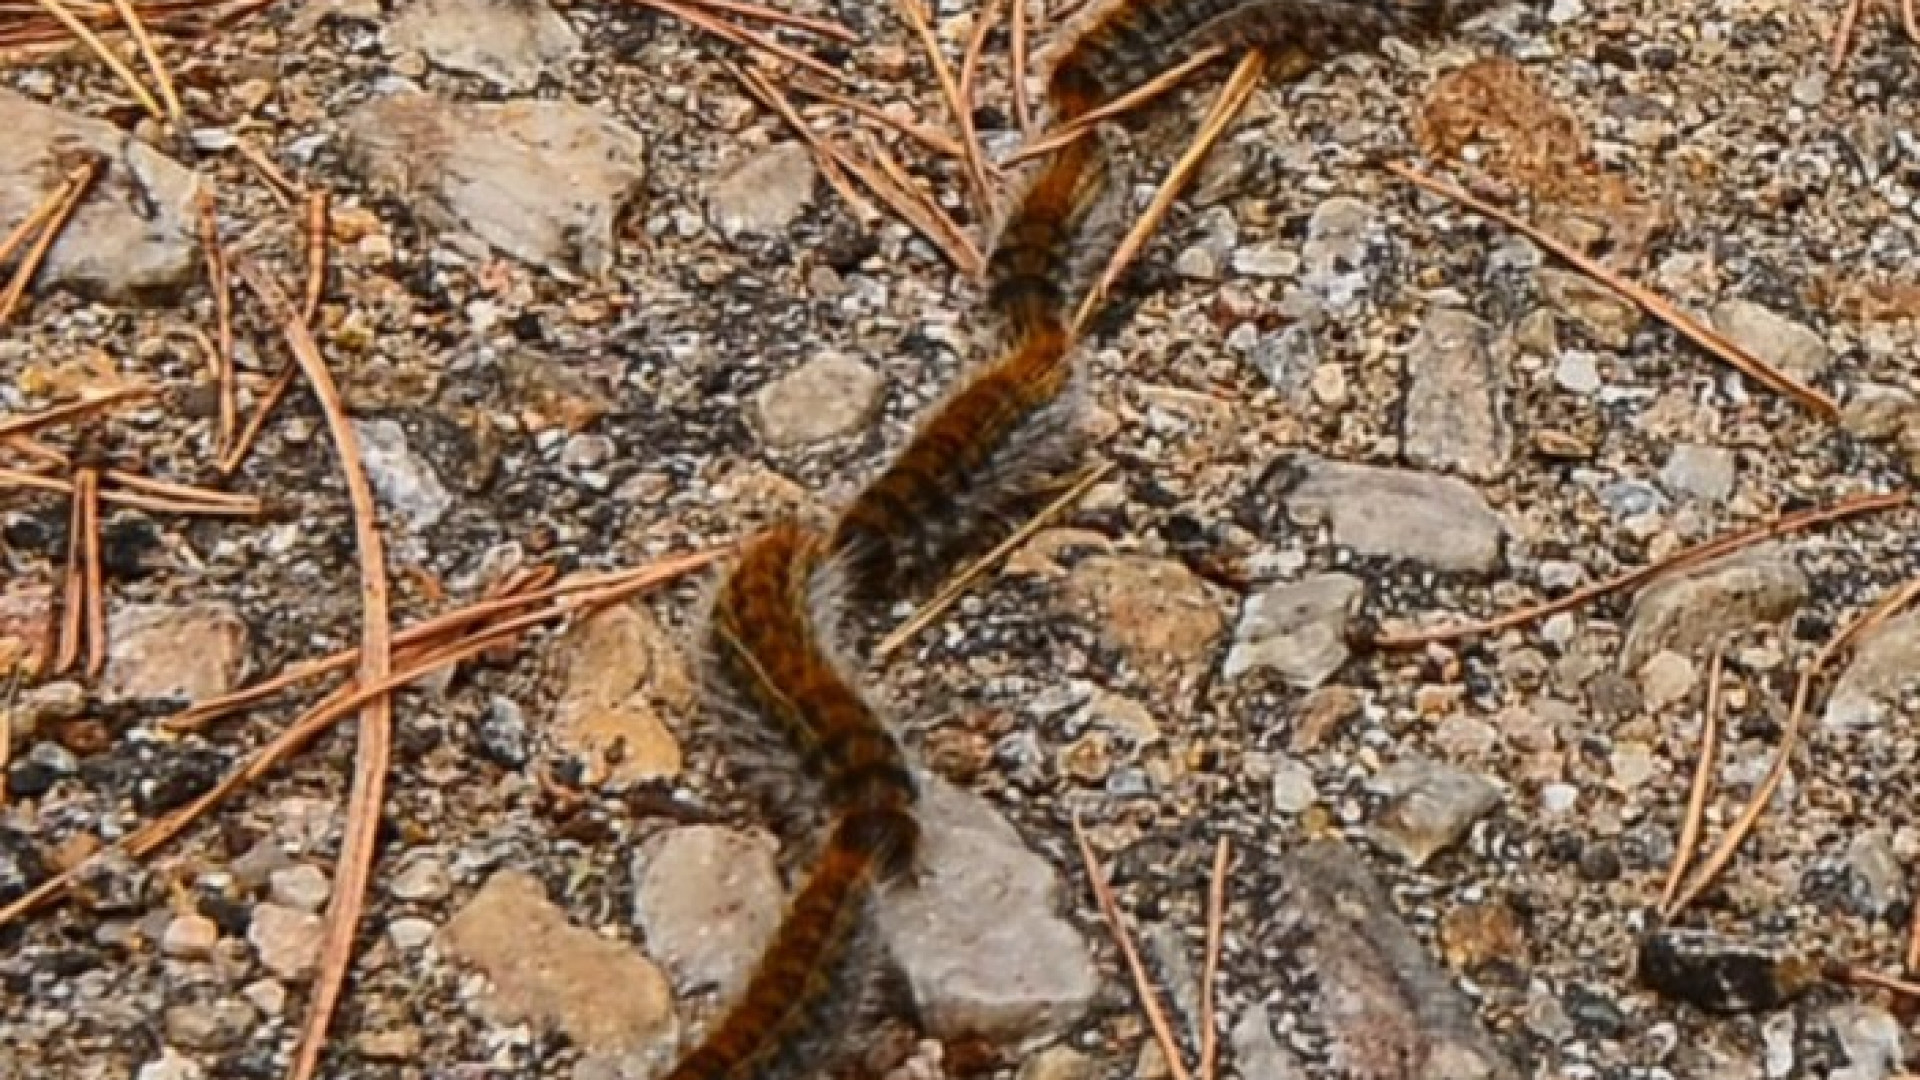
(1455, 418)
(1884, 666)
(1297, 630)
(1389, 1012)
(134, 238)
(542, 181)
(1435, 521)
(708, 899)
(1778, 340)
(977, 933)
(1688, 612)
(509, 43)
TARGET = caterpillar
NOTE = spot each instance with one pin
(774, 625)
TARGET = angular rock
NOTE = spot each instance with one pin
(180, 654)
(405, 482)
(978, 936)
(831, 396)
(1605, 317)
(1704, 473)
(1877, 411)
(1430, 805)
(708, 900)
(1885, 666)
(764, 193)
(547, 972)
(1688, 612)
(303, 887)
(1435, 521)
(1778, 340)
(134, 238)
(1455, 419)
(1156, 612)
(1297, 630)
(1257, 1055)
(287, 940)
(621, 670)
(190, 937)
(1389, 1011)
(509, 43)
(542, 181)
(1870, 1039)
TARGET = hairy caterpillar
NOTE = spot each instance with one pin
(773, 624)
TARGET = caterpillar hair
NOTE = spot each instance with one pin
(771, 638)
(773, 633)
(810, 984)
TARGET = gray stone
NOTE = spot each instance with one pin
(1455, 418)
(708, 899)
(190, 937)
(1389, 1012)
(509, 43)
(1593, 307)
(1703, 473)
(1688, 612)
(1297, 630)
(978, 937)
(765, 193)
(1885, 666)
(1257, 1055)
(1577, 373)
(1435, 521)
(1430, 805)
(216, 1025)
(1876, 411)
(831, 396)
(1875, 880)
(182, 654)
(1870, 1039)
(302, 888)
(542, 969)
(1666, 677)
(421, 879)
(134, 238)
(1293, 787)
(171, 1065)
(1779, 341)
(403, 480)
(288, 940)
(542, 181)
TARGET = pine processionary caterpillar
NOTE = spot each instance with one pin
(774, 626)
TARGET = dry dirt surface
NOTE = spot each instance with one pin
(591, 306)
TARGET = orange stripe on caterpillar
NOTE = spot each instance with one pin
(975, 456)
(771, 628)
(811, 982)
(1125, 44)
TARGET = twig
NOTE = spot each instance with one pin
(137, 500)
(73, 588)
(1216, 919)
(1910, 20)
(77, 184)
(1117, 925)
(1789, 739)
(283, 190)
(250, 434)
(1733, 355)
(969, 77)
(513, 596)
(87, 493)
(151, 55)
(950, 89)
(1240, 87)
(31, 223)
(219, 284)
(1857, 976)
(916, 210)
(16, 426)
(1702, 786)
(828, 159)
(1022, 100)
(957, 586)
(354, 865)
(79, 29)
(823, 27)
(726, 31)
(1843, 35)
(938, 142)
(1631, 579)
(317, 205)
(7, 704)
(344, 702)
(1125, 103)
